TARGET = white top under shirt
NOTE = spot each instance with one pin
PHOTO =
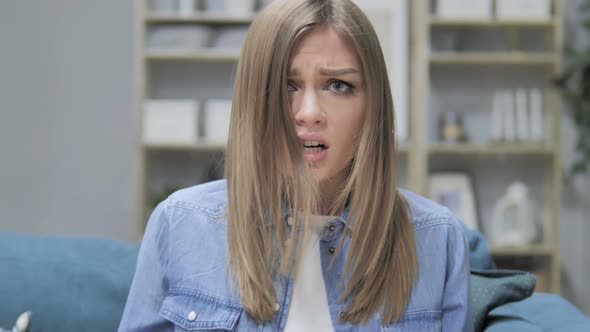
(309, 309)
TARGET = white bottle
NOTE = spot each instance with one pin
(522, 117)
(497, 117)
(509, 129)
(513, 221)
(536, 113)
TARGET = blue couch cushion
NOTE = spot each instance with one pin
(540, 312)
(70, 284)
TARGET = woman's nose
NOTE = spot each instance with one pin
(310, 112)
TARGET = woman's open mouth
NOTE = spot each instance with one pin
(315, 151)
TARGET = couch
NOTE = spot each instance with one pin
(81, 284)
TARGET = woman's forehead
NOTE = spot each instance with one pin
(325, 47)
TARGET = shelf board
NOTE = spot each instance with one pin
(204, 54)
(529, 250)
(491, 149)
(491, 23)
(197, 147)
(199, 17)
(492, 58)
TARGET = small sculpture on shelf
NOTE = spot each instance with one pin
(450, 128)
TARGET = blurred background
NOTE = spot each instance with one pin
(108, 106)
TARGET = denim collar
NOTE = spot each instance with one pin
(343, 217)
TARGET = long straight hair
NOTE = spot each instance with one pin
(268, 178)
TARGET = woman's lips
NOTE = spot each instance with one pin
(317, 147)
(316, 155)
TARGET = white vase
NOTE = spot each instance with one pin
(513, 221)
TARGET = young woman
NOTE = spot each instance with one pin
(308, 232)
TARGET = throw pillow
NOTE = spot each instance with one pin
(493, 288)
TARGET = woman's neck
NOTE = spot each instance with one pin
(329, 199)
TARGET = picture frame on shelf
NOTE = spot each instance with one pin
(455, 190)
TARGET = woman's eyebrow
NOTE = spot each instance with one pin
(338, 71)
(328, 71)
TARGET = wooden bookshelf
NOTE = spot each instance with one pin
(427, 153)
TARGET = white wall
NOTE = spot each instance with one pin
(66, 117)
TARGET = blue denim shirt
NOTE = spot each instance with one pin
(182, 282)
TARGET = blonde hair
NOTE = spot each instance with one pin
(267, 176)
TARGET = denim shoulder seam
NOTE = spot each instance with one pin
(162, 249)
(212, 213)
(433, 220)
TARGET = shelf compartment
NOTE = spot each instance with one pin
(492, 58)
(205, 54)
(492, 149)
(491, 23)
(199, 17)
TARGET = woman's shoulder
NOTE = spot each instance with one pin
(209, 198)
(426, 213)
(189, 212)
(188, 232)
(193, 214)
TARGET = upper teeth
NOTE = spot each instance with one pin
(311, 143)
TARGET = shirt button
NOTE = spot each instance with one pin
(341, 314)
(331, 250)
(332, 228)
(192, 316)
(277, 307)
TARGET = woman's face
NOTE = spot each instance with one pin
(326, 91)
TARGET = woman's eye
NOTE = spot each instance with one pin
(291, 87)
(341, 87)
